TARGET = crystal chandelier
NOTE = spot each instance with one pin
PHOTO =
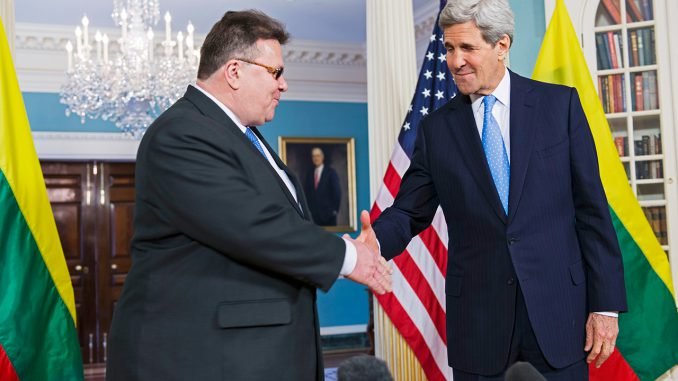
(136, 85)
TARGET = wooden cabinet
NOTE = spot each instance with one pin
(93, 205)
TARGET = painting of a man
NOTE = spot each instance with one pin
(322, 189)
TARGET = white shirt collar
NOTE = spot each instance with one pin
(502, 93)
(223, 107)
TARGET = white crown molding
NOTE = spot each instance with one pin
(85, 146)
(315, 71)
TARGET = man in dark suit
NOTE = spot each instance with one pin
(534, 269)
(323, 190)
(225, 259)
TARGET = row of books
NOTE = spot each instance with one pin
(610, 49)
(612, 93)
(644, 87)
(649, 170)
(656, 216)
(646, 145)
(636, 10)
(642, 47)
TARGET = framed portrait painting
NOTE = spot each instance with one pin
(325, 168)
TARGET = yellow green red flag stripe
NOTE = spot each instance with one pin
(38, 339)
(647, 346)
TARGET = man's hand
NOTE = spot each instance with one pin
(367, 235)
(601, 336)
(371, 268)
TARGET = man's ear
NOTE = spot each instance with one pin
(503, 46)
(231, 72)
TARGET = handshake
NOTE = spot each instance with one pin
(371, 268)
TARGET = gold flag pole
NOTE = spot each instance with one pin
(392, 348)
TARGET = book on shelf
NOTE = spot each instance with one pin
(634, 48)
(641, 47)
(600, 53)
(620, 143)
(653, 99)
(633, 11)
(612, 50)
(646, 90)
(647, 9)
(612, 10)
(618, 48)
(645, 139)
(656, 216)
(638, 98)
(648, 51)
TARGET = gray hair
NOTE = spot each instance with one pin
(494, 18)
(364, 368)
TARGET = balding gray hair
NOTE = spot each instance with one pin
(494, 18)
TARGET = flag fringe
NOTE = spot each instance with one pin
(392, 348)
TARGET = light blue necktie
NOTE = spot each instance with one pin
(255, 141)
(495, 152)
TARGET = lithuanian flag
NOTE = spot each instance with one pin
(38, 340)
(647, 346)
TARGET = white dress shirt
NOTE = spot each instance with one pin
(351, 256)
(501, 110)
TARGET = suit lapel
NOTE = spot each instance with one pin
(282, 166)
(522, 135)
(212, 110)
(466, 134)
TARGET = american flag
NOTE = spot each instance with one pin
(416, 306)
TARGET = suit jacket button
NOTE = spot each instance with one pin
(512, 240)
(510, 281)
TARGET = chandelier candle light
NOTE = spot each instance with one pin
(134, 87)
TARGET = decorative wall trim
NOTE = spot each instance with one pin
(316, 71)
(343, 329)
(85, 146)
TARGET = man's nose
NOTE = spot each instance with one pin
(455, 60)
(282, 83)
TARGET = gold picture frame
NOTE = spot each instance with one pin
(320, 190)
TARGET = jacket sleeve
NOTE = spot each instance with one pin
(595, 232)
(200, 186)
(414, 206)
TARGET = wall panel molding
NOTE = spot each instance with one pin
(85, 146)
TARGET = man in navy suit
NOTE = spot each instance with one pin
(322, 190)
(534, 269)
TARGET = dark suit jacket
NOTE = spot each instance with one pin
(225, 265)
(557, 240)
(324, 201)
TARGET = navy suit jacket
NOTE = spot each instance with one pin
(557, 241)
(323, 201)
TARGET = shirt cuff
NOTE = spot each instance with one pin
(610, 314)
(350, 259)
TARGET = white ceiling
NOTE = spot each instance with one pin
(321, 20)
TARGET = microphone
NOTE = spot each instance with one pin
(523, 371)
